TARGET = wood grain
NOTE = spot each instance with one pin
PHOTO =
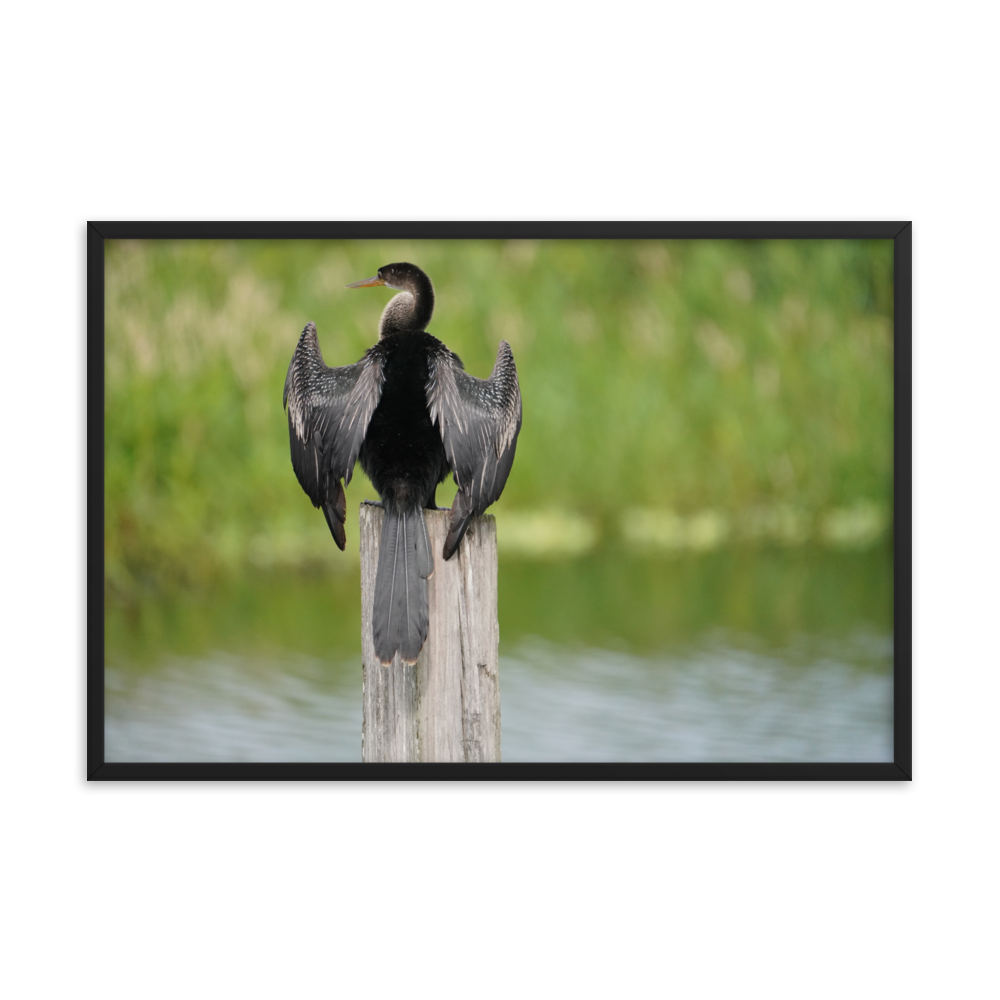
(447, 707)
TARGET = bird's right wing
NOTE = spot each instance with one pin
(328, 414)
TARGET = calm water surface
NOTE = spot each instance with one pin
(721, 704)
(729, 657)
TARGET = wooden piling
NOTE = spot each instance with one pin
(447, 707)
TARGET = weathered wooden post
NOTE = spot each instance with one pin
(447, 707)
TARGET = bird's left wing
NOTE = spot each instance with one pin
(328, 414)
(479, 420)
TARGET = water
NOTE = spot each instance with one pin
(722, 704)
(731, 657)
(232, 708)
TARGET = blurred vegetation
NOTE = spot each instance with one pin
(677, 395)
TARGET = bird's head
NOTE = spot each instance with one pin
(401, 277)
(412, 308)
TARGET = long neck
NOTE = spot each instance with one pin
(411, 309)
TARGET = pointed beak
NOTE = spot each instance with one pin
(368, 283)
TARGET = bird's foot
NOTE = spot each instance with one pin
(372, 503)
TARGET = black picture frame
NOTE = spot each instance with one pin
(98, 769)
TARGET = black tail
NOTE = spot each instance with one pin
(399, 612)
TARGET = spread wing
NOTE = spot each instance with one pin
(328, 414)
(479, 420)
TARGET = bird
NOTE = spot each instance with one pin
(410, 414)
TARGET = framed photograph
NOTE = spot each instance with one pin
(685, 447)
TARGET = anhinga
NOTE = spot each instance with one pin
(410, 413)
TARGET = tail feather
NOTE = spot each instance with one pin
(399, 612)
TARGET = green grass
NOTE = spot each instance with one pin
(725, 392)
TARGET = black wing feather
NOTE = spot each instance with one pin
(328, 414)
(479, 420)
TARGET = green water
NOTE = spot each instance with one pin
(733, 655)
